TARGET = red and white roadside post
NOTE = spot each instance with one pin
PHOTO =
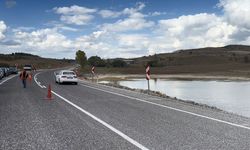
(148, 76)
(16, 66)
(93, 72)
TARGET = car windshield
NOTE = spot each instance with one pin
(68, 73)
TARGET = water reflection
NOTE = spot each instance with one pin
(229, 96)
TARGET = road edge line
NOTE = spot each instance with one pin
(8, 79)
(124, 136)
(38, 83)
(172, 108)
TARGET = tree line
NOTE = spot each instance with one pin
(14, 56)
(97, 61)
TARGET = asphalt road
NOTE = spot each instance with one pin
(90, 116)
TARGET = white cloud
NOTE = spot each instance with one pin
(45, 41)
(157, 13)
(188, 24)
(50, 42)
(133, 41)
(75, 14)
(66, 28)
(77, 19)
(24, 29)
(109, 14)
(237, 12)
(187, 31)
(135, 20)
(107, 44)
(138, 7)
(128, 24)
(193, 31)
(60, 26)
(73, 10)
(99, 43)
(127, 11)
(134, 34)
(3, 29)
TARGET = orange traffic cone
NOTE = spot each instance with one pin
(49, 96)
(30, 77)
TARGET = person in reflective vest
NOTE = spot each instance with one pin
(23, 76)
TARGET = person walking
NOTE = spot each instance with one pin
(23, 76)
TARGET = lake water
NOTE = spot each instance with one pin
(230, 96)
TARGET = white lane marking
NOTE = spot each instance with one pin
(176, 109)
(37, 82)
(154, 99)
(124, 136)
(8, 79)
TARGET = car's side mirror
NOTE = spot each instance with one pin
(57, 73)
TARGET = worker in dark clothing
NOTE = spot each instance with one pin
(23, 76)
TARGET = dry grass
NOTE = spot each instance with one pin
(231, 60)
(39, 63)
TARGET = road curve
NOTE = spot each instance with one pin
(90, 116)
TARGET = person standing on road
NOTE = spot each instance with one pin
(23, 76)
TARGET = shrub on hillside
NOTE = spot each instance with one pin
(96, 61)
(119, 63)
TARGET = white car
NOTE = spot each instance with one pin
(66, 76)
(27, 67)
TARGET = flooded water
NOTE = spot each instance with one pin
(230, 96)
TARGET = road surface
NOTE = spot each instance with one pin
(91, 116)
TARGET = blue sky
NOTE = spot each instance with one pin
(39, 12)
(120, 28)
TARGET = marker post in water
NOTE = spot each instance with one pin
(148, 76)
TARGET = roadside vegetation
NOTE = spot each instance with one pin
(232, 60)
(20, 59)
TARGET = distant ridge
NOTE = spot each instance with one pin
(233, 60)
(237, 47)
(21, 59)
